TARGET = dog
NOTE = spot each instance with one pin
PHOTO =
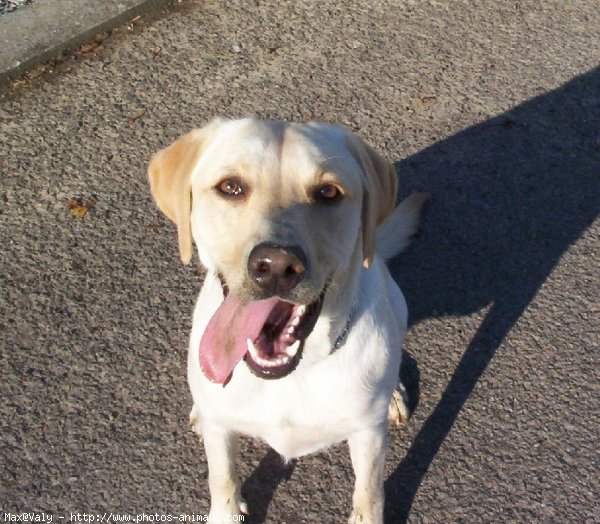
(298, 328)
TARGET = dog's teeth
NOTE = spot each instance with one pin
(252, 349)
(262, 362)
(275, 362)
(295, 321)
(301, 310)
(290, 330)
(293, 349)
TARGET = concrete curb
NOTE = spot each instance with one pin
(37, 32)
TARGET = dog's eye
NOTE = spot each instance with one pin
(328, 193)
(230, 187)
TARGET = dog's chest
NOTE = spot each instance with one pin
(295, 441)
(295, 417)
(295, 425)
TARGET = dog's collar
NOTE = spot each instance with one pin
(224, 285)
(339, 341)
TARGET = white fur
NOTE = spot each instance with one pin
(329, 398)
(332, 395)
(320, 403)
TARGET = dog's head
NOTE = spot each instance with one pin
(280, 211)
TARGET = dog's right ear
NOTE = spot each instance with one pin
(170, 172)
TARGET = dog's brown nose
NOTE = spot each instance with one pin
(277, 269)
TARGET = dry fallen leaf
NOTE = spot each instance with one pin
(88, 48)
(93, 46)
(153, 228)
(428, 100)
(79, 206)
(136, 116)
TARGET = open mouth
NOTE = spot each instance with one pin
(277, 349)
(267, 334)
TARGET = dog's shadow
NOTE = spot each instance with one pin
(509, 197)
(259, 488)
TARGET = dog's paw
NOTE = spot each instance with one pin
(195, 421)
(233, 511)
(398, 412)
(360, 517)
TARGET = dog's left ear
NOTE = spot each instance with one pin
(170, 172)
(379, 197)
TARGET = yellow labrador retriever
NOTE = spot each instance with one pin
(297, 331)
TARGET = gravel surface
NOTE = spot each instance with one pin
(491, 107)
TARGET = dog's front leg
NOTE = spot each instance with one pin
(367, 450)
(225, 497)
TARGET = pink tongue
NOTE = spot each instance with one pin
(223, 344)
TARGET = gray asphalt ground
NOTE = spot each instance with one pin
(492, 107)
